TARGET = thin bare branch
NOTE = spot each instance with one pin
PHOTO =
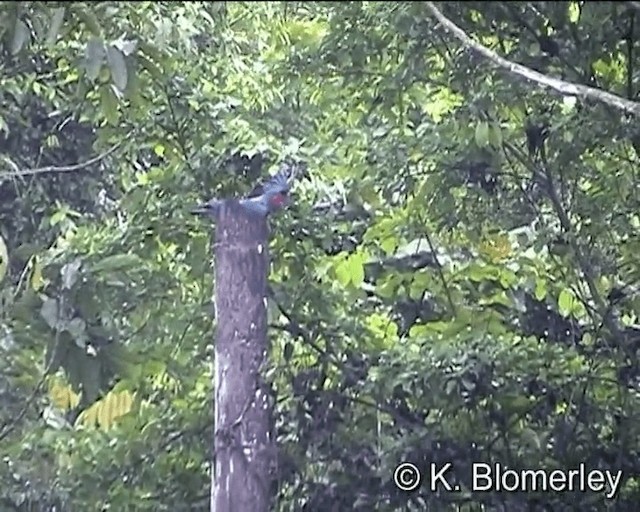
(561, 86)
(440, 270)
(582, 259)
(63, 168)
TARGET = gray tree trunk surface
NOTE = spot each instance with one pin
(240, 480)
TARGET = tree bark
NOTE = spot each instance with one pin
(242, 438)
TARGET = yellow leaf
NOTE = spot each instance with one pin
(88, 417)
(62, 396)
(496, 248)
(107, 410)
(104, 414)
(37, 282)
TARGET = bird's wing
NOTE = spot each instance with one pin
(279, 182)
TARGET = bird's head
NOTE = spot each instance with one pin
(278, 200)
(276, 190)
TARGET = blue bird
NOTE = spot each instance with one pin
(265, 198)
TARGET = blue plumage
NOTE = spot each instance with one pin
(270, 196)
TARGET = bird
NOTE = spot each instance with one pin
(265, 198)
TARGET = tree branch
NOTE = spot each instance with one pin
(63, 168)
(583, 262)
(565, 222)
(518, 69)
(439, 269)
(294, 328)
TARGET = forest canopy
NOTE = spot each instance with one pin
(456, 279)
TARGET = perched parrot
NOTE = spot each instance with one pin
(265, 198)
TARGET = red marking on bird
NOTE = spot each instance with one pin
(278, 200)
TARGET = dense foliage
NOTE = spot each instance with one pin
(456, 281)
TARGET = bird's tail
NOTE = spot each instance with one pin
(208, 209)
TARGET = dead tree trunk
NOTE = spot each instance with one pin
(242, 439)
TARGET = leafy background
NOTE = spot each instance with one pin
(456, 282)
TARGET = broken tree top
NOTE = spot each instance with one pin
(268, 197)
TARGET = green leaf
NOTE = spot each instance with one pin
(531, 438)
(480, 272)
(109, 104)
(421, 281)
(37, 281)
(388, 287)
(389, 245)
(154, 367)
(418, 331)
(343, 272)
(495, 135)
(89, 18)
(565, 302)
(20, 36)
(56, 22)
(49, 312)
(482, 134)
(541, 289)
(94, 57)
(151, 67)
(356, 268)
(118, 67)
(383, 329)
(516, 404)
(574, 12)
(116, 262)
(507, 277)
(133, 83)
(601, 67)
